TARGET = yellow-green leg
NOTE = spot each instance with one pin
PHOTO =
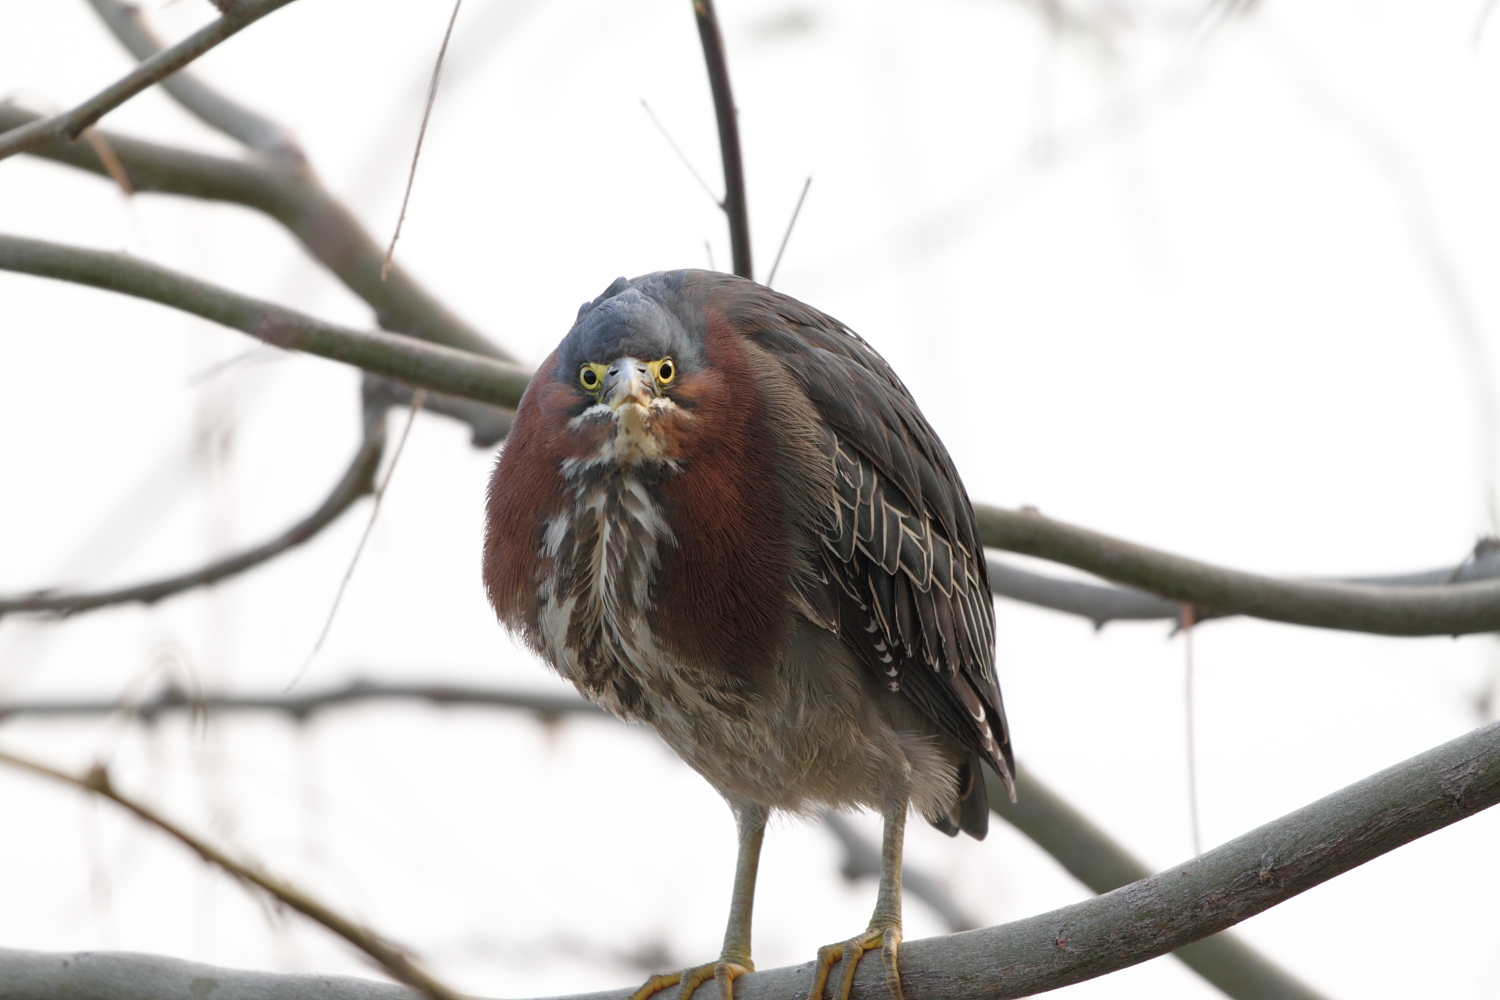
(885, 924)
(734, 958)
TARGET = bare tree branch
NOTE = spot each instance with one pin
(1041, 814)
(488, 425)
(293, 197)
(357, 481)
(405, 359)
(391, 958)
(214, 109)
(1132, 924)
(93, 975)
(302, 706)
(1103, 865)
(729, 136)
(1102, 603)
(1404, 609)
(1454, 609)
(416, 155)
(69, 124)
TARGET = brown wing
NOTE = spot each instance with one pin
(901, 543)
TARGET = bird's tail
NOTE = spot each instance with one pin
(971, 812)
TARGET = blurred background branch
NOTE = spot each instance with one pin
(218, 111)
(292, 195)
(67, 125)
(1102, 603)
(357, 481)
(388, 956)
(1087, 853)
(1151, 917)
(1467, 601)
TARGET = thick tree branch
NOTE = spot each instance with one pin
(1132, 924)
(94, 975)
(1103, 865)
(1455, 609)
(729, 136)
(1401, 609)
(1102, 602)
(391, 958)
(69, 124)
(293, 197)
(1082, 848)
(214, 109)
(394, 356)
(357, 481)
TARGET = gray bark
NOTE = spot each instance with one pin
(1140, 921)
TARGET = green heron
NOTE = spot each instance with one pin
(721, 514)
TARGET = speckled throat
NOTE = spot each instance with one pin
(605, 548)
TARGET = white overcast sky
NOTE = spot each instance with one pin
(1223, 290)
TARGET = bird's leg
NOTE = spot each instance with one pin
(734, 959)
(885, 924)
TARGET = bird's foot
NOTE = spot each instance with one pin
(724, 972)
(886, 938)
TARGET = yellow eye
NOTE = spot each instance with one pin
(664, 370)
(590, 377)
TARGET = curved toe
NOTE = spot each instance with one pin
(723, 972)
(887, 939)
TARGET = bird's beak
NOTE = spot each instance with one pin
(628, 381)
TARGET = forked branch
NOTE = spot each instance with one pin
(1399, 609)
(292, 196)
(214, 109)
(70, 124)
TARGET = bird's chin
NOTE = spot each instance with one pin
(637, 436)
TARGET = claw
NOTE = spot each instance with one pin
(722, 972)
(887, 939)
(656, 984)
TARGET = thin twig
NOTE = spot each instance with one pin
(416, 154)
(172, 698)
(729, 136)
(69, 124)
(356, 481)
(1192, 741)
(771, 278)
(214, 109)
(391, 958)
(682, 156)
(338, 597)
(111, 162)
